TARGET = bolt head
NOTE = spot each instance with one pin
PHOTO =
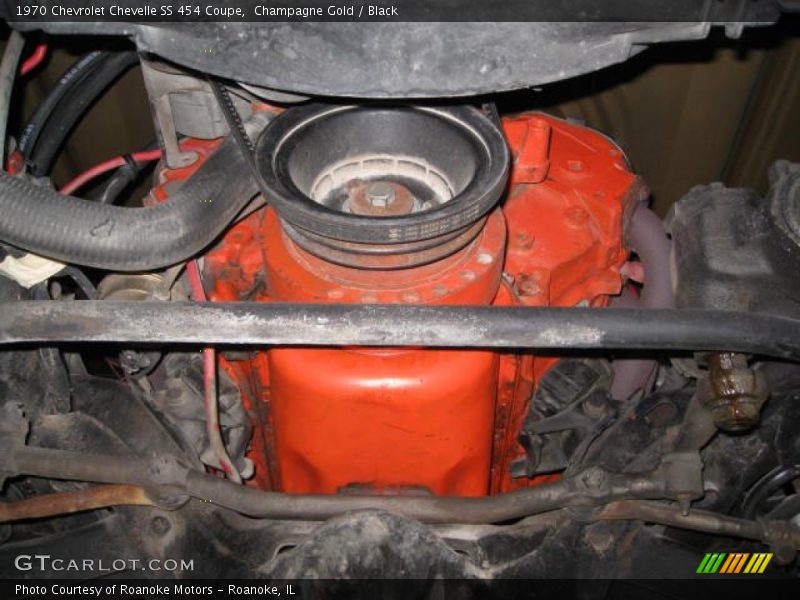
(527, 286)
(160, 525)
(785, 554)
(380, 193)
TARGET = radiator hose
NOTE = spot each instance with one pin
(115, 238)
(647, 237)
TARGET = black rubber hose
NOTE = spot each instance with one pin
(114, 238)
(645, 236)
(72, 77)
(766, 486)
(8, 71)
(123, 177)
(81, 280)
(73, 106)
(118, 183)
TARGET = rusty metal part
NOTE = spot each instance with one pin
(262, 323)
(684, 476)
(122, 286)
(379, 198)
(774, 533)
(590, 487)
(527, 285)
(141, 286)
(697, 427)
(76, 466)
(64, 503)
(384, 256)
(620, 494)
(735, 392)
(532, 156)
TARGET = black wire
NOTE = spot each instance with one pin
(75, 91)
(766, 486)
(129, 162)
(123, 177)
(40, 291)
(81, 280)
(117, 183)
(72, 77)
(73, 105)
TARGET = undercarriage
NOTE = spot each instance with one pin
(363, 324)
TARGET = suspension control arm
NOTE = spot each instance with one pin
(617, 496)
(167, 478)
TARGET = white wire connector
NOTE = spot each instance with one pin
(29, 269)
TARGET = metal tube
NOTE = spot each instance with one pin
(573, 491)
(622, 495)
(591, 487)
(63, 503)
(262, 323)
(700, 520)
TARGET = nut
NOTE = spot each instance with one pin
(380, 194)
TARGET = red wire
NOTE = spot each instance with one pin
(195, 281)
(34, 60)
(209, 354)
(105, 167)
(210, 385)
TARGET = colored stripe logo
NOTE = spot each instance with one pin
(734, 563)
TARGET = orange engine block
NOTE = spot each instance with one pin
(426, 420)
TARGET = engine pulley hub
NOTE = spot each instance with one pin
(382, 187)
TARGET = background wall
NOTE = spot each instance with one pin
(691, 113)
(119, 123)
(685, 113)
